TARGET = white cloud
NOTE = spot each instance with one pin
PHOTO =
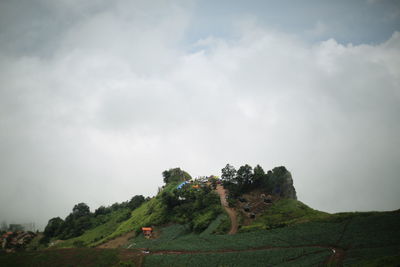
(119, 101)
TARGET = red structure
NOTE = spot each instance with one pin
(147, 231)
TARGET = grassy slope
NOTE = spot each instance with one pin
(149, 213)
(283, 213)
(153, 213)
(93, 235)
(366, 237)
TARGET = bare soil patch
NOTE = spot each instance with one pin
(231, 212)
(118, 241)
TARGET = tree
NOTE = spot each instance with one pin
(80, 210)
(54, 227)
(245, 175)
(258, 175)
(228, 173)
(169, 199)
(101, 211)
(175, 175)
(136, 201)
(76, 222)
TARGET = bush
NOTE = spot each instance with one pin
(175, 175)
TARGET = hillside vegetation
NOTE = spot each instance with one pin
(190, 228)
(283, 213)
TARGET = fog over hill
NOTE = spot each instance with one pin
(98, 98)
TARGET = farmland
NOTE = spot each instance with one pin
(357, 235)
(305, 256)
(349, 239)
(359, 239)
(189, 228)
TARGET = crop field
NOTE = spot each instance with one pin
(61, 257)
(271, 257)
(363, 237)
(298, 235)
(366, 239)
(167, 235)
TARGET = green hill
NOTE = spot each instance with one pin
(190, 225)
(283, 213)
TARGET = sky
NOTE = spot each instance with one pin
(97, 98)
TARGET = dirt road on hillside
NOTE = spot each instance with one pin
(118, 241)
(231, 212)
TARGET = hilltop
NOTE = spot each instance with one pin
(247, 217)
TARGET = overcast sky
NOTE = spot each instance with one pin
(97, 98)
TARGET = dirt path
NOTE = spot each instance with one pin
(118, 241)
(231, 212)
(334, 250)
(335, 259)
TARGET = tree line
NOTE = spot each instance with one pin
(277, 181)
(81, 219)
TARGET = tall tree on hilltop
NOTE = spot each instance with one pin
(81, 210)
(175, 175)
(228, 173)
(258, 175)
(245, 175)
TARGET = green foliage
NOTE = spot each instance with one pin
(82, 225)
(196, 206)
(75, 225)
(203, 220)
(78, 244)
(224, 225)
(323, 232)
(258, 176)
(167, 234)
(136, 201)
(80, 210)
(283, 213)
(175, 175)
(79, 220)
(278, 181)
(36, 243)
(300, 235)
(244, 176)
(364, 228)
(152, 212)
(215, 224)
(228, 173)
(101, 211)
(111, 221)
(53, 228)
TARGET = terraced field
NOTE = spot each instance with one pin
(343, 239)
(348, 239)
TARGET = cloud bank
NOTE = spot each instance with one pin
(95, 111)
